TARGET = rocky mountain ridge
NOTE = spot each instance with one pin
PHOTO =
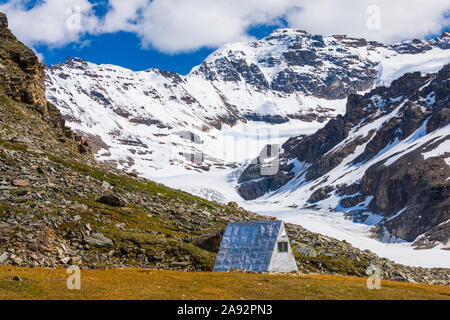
(385, 162)
(135, 119)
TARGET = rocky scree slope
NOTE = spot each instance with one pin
(385, 162)
(150, 120)
(59, 207)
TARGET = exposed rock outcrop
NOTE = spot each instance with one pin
(409, 187)
(22, 79)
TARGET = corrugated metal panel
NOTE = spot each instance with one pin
(247, 245)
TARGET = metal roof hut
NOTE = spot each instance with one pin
(255, 246)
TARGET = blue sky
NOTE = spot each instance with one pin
(177, 35)
(124, 49)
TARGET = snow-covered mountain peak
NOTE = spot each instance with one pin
(289, 61)
(152, 120)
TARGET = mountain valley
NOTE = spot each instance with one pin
(81, 144)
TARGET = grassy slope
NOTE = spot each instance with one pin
(150, 284)
(67, 161)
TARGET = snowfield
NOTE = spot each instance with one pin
(396, 66)
(219, 186)
(333, 224)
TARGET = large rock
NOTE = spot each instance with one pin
(307, 252)
(253, 184)
(99, 240)
(3, 257)
(210, 242)
(113, 200)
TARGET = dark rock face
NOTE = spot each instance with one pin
(23, 81)
(320, 194)
(301, 58)
(277, 119)
(336, 86)
(414, 47)
(310, 148)
(253, 185)
(420, 186)
(412, 182)
(412, 192)
(436, 235)
(345, 77)
(250, 189)
(210, 242)
(350, 202)
(235, 70)
(3, 21)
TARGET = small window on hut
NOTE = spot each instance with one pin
(282, 246)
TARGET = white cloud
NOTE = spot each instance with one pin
(53, 22)
(122, 16)
(399, 19)
(183, 25)
(186, 25)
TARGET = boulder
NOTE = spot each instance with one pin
(99, 240)
(3, 257)
(21, 183)
(233, 204)
(17, 278)
(209, 242)
(113, 200)
(307, 252)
